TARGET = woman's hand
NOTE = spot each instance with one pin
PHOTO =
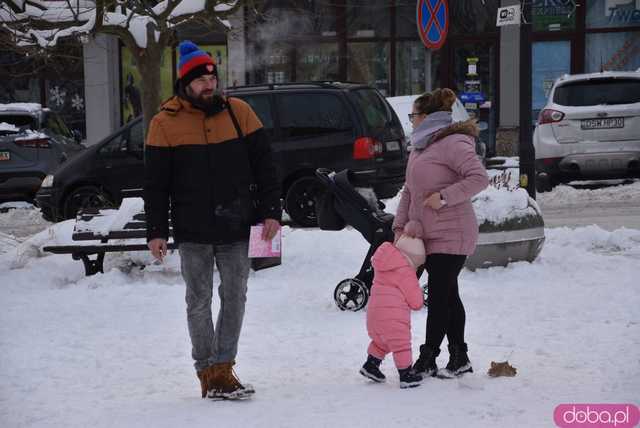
(433, 201)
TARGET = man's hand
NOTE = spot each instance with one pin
(158, 248)
(270, 229)
(434, 201)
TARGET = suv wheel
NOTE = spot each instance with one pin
(85, 197)
(300, 201)
(545, 183)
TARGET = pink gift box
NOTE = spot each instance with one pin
(261, 248)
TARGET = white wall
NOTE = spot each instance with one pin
(101, 87)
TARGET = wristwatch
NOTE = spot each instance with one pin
(443, 201)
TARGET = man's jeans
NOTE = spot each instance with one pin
(220, 345)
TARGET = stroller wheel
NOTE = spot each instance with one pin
(425, 294)
(351, 295)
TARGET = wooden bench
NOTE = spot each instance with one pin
(126, 223)
(104, 226)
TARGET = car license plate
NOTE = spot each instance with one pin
(604, 123)
(393, 145)
(5, 156)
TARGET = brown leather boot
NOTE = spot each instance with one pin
(207, 378)
(226, 384)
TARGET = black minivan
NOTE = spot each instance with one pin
(310, 125)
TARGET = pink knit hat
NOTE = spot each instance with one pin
(413, 249)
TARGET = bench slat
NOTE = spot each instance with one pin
(96, 249)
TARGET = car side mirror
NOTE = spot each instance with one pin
(483, 126)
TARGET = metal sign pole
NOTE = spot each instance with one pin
(526, 150)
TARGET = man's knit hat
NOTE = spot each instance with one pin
(194, 63)
(413, 248)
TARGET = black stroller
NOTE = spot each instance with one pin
(342, 204)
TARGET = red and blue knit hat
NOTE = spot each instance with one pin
(194, 63)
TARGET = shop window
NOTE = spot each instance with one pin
(286, 18)
(317, 61)
(309, 115)
(368, 18)
(272, 63)
(406, 25)
(369, 63)
(410, 68)
(613, 13)
(553, 15)
(131, 82)
(473, 17)
(550, 60)
(612, 51)
(474, 77)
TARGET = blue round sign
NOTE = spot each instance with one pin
(433, 22)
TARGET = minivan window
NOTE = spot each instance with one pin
(260, 104)
(375, 111)
(597, 92)
(312, 114)
(136, 138)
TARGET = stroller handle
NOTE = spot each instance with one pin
(323, 175)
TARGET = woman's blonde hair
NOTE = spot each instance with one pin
(437, 100)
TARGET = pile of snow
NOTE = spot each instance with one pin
(113, 349)
(497, 205)
(564, 195)
(8, 127)
(21, 219)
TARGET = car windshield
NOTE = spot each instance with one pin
(372, 105)
(597, 92)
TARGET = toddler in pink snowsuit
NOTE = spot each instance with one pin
(394, 293)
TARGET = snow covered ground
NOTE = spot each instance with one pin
(112, 350)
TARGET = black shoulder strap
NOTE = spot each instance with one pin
(234, 120)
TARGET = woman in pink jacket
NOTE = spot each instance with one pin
(443, 174)
(394, 293)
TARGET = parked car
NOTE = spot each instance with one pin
(311, 125)
(34, 141)
(589, 129)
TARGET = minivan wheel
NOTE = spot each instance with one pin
(300, 201)
(85, 197)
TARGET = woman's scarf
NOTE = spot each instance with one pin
(422, 136)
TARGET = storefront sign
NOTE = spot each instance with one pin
(433, 22)
(553, 15)
(509, 15)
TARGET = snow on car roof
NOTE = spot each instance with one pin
(26, 107)
(8, 127)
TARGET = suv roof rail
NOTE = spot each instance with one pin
(306, 84)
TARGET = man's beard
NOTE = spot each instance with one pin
(210, 103)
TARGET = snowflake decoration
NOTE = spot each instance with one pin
(77, 102)
(58, 95)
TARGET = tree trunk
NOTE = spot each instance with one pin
(149, 67)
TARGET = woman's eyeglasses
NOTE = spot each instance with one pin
(412, 115)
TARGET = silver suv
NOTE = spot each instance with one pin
(589, 129)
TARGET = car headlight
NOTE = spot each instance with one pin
(48, 181)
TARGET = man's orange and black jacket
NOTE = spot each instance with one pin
(216, 177)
